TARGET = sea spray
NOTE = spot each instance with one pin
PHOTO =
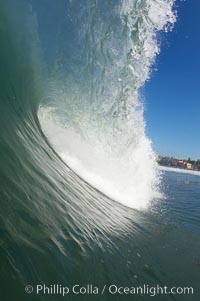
(91, 112)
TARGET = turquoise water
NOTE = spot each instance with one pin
(156, 246)
(182, 203)
(81, 199)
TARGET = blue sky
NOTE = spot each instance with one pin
(173, 92)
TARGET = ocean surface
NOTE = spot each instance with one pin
(82, 200)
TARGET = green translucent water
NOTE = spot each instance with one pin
(55, 228)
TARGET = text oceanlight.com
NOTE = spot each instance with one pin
(90, 289)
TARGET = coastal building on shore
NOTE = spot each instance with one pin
(184, 164)
(189, 166)
(173, 162)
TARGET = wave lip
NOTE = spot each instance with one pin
(92, 113)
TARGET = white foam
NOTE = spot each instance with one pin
(126, 178)
(96, 120)
(178, 170)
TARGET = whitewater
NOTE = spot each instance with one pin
(180, 170)
(93, 115)
(80, 192)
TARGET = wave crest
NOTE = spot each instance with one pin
(92, 112)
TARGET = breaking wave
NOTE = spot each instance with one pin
(92, 111)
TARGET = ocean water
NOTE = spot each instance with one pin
(82, 200)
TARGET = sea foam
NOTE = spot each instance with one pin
(93, 113)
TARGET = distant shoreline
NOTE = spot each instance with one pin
(179, 170)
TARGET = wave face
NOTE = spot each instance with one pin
(92, 113)
(78, 66)
(81, 76)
